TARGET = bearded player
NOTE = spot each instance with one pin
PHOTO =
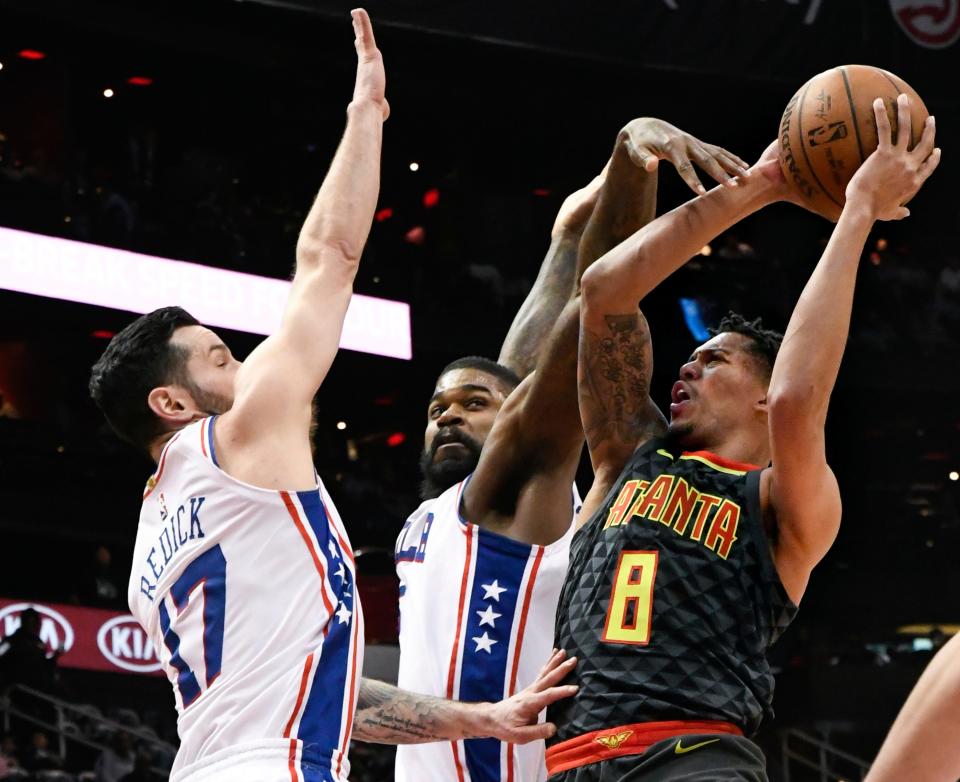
(701, 535)
(243, 576)
(482, 560)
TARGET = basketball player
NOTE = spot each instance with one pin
(693, 555)
(482, 560)
(243, 574)
(924, 742)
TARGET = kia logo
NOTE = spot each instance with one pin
(55, 630)
(123, 642)
(934, 24)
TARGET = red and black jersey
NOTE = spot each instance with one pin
(672, 598)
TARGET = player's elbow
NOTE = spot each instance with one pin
(796, 405)
(327, 249)
(595, 284)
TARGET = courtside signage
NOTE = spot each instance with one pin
(91, 638)
(105, 277)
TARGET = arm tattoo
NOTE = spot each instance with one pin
(388, 715)
(615, 382)
(550, 292)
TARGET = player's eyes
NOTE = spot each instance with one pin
(435, 411)
(476, 403)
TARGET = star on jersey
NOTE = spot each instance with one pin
(333, 550)
(484, 642)
(341, 572)
(493, 591)
(344, 613)
(488, 617)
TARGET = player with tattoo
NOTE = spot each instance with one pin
(482, 560)
(700, 535)
(244, 577)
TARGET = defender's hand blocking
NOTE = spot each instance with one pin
(515, 719)
(893, 174)
(651, 140)
(371, 81)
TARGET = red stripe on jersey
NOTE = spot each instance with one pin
(292, 761)
(527, 596)
(307, 665)
(292, 510)
(456, 639)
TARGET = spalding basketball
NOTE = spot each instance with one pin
(828, 130)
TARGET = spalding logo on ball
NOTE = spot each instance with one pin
(828, 130)
(931, 23)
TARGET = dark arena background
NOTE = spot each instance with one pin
(200, 131)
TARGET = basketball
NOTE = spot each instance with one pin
(828, 130)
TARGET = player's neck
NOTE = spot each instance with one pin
(740, 447)
(157, 446)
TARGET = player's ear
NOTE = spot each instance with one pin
(171, 404)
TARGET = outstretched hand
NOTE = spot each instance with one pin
(371, 81)
(893, 174)
(515, 719)
(651, 140)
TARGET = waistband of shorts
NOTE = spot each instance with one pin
(279, 753)
(633, 739)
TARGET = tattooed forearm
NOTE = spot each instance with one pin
(615, 382)
(550, 292)
(388, 715)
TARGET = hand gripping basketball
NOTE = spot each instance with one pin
(893, 174)
(371, 81)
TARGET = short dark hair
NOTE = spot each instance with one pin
(137, 360)
(509, 378)
(764, 343)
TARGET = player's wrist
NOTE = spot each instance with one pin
(365, 104)
(479, 720)
(861, 205)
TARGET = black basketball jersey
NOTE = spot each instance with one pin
(672, 598)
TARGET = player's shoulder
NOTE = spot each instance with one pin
(179, 451)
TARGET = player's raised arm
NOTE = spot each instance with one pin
(800, 489)
(538, 432)
(644, 141)
(924, 743)
(389, 715)
(276, 384)
(554, 284)
(615, 355)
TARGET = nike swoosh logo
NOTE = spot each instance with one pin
(680, 749)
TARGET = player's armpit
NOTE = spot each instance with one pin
(802, 500)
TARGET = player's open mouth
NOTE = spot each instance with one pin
(448, 449)
(680, 392)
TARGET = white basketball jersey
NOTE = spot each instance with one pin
(477, 615)
(249, 596)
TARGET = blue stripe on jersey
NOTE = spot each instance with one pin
(213, 450)
(501, 563)
(323, 712)
(186, 681)
(316, 772)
